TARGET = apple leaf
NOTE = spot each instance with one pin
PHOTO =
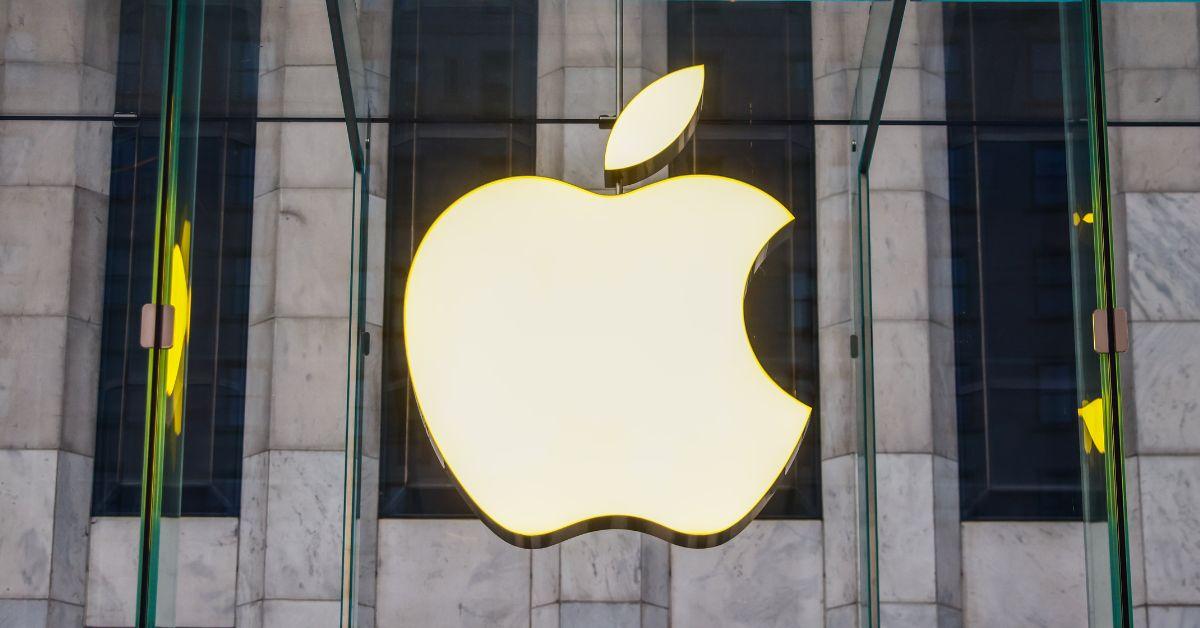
(654, 126)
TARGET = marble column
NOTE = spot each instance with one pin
(290, 532)
(612, 578)
(837, 35)
(770, 575)
(916, 435)
(56, 57)
(1152, 74)
(452, 572)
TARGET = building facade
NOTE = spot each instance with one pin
(978, 509)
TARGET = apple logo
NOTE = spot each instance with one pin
(581, 361)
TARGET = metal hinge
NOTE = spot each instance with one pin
(1115, 340)
(161, 318)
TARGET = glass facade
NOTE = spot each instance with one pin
(209, 211)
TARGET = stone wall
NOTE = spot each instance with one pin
(290, 531)
(913, 327)
(1152, 65)
(56, 57)
(837, 31)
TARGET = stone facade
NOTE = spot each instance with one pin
(838, 29)
(279, 562)
(57, 57)
(915, 428)
(289, 548)
(1152, 64)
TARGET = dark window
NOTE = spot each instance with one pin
(1010, 243)
(460, 74)
(758, 69)
(216, 376)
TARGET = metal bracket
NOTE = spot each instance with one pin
(125, 120)
(1115, 340)
(160, 318)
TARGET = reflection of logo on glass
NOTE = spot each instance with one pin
(581, 360)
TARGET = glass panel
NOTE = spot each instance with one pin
(221, 266)
(259, 258)
(363, 77)
(980, 292)
(162, 476)
(114, 134)
(132, 214)
(352, 85)
(1098, 397)
(492, 90)
(1011, 267)
(866, 108)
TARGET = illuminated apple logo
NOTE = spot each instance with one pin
(581, 361)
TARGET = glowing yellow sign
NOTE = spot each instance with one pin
(654, 127)
(581, 360)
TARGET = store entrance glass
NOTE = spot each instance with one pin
(944, 299)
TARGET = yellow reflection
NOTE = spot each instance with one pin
(179, 297)
(1089, 218)
(577, 355)
(1092, 414)
(655, 119)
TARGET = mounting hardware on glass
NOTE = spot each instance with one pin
(1114, 340)
(160, 318)
(125, 119)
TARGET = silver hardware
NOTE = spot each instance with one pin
(1115, 340)
(160, 318)
(125, 119)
